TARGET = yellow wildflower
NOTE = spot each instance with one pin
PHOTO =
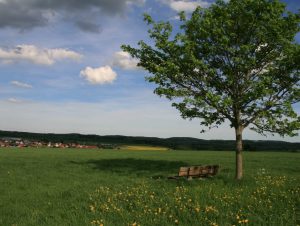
(92, 208)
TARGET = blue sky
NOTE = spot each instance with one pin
(62, 70)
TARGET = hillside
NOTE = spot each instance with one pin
(183, 143)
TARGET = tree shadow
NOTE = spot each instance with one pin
(135, 166)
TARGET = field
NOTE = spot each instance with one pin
(143, 148)
(121, 187)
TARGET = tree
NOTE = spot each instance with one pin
(235, 61)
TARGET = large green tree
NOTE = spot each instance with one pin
(235, 61)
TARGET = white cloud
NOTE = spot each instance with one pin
(100, 75)
(14, 100)
(37, 55)
(185, 5)
(125, 61)
(175, 17)
(106, 74)
(21, 84)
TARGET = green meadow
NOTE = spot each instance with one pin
(124, 187)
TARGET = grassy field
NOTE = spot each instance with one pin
(143, 148)
(116, 187)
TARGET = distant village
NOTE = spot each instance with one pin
(22, 143)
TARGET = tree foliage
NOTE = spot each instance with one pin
(237, 61)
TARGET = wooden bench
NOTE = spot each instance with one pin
(196, 171)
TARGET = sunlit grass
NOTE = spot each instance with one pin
(266, 200)
(143, 148)
(117, 187)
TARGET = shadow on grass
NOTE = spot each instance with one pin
(136, 166)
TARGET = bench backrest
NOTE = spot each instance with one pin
(198, 170)
(183, 171)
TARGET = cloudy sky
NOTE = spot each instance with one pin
(62, 70)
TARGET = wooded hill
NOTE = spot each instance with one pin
(183, 143)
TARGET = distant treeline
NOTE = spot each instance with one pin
(182, 143)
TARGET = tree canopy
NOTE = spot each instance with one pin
(236, 61)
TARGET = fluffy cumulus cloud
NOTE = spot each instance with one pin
(125, 61)
(185, 5)
(21, 84)
(105, 74)
(99, 76)
(36, 55)
(27, 14)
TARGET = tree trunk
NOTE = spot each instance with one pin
(239, 149)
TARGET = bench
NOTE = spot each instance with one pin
(196, 171)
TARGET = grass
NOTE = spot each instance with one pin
(143, 148)
(119, 187)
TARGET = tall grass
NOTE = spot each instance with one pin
(108, 187)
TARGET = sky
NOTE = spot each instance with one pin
(62, 70)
